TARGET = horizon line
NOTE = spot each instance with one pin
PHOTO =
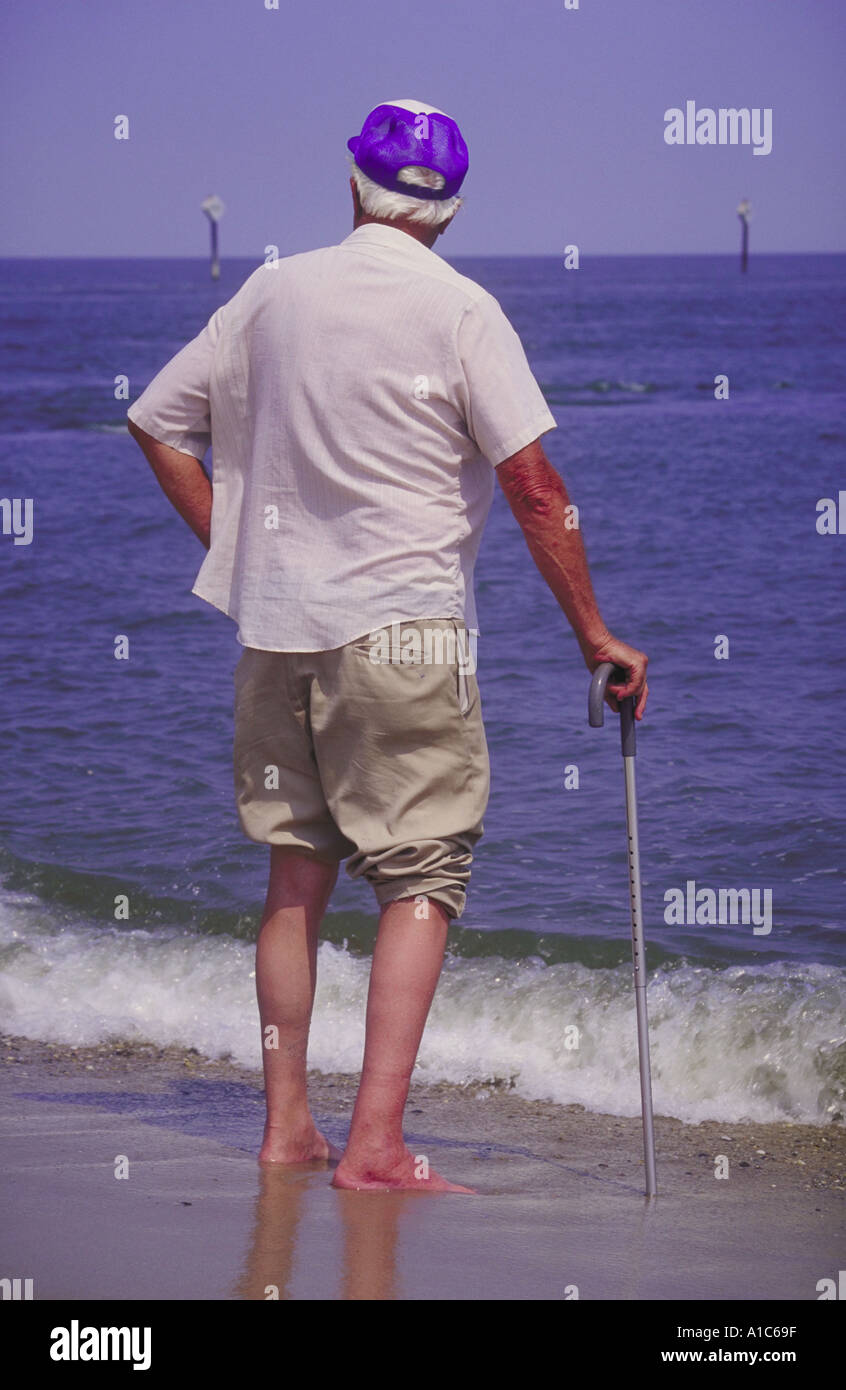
(466, 255)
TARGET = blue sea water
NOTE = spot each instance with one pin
(700, 520)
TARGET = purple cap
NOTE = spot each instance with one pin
(394, 136)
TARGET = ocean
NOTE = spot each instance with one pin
(710, 549)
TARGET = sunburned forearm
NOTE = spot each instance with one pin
(182, 479)
(559, 554)
(538, 498)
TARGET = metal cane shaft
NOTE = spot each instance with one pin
(596, 718)
(639, 962)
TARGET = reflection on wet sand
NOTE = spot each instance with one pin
(369, 1222)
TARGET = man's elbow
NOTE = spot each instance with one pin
(533, 487)
(540, 502)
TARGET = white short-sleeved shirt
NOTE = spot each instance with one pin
(356, 398)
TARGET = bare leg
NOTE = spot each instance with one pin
(406, 965)
(286, 974)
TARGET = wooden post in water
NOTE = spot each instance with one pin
(214, 210)
(744, 212)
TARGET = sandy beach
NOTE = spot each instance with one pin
(559, 1211)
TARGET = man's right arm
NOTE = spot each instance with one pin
(538, 498)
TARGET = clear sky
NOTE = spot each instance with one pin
(562, 111)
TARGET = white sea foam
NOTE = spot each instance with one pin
(761, 1043)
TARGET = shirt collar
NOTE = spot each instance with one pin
(392, 238)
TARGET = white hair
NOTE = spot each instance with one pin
(393, 207)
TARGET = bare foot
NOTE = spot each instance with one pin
(282, 1145)
(399, 1172)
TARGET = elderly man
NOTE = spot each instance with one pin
(359, 399)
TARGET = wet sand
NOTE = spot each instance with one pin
(560, 1211)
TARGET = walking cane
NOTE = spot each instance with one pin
(596, 718)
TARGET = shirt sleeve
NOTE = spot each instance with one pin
(503, 405)
(175, 406)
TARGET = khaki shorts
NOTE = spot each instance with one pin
(384, 764)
